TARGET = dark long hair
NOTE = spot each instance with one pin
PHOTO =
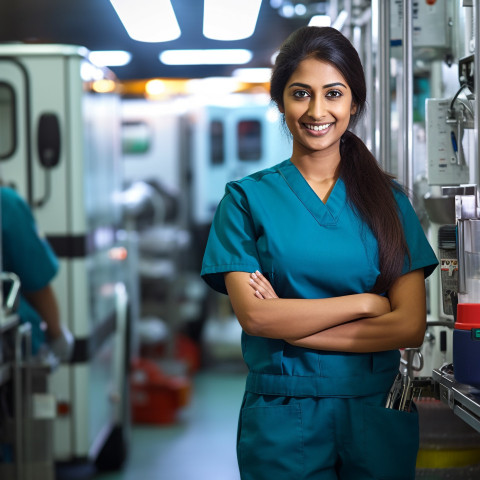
(369, 188)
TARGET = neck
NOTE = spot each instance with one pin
(318, 169)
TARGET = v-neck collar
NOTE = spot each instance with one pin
(325, 213)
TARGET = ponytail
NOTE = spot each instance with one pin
(370, 192)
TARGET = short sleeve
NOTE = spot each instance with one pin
(24, 251)
(231, 244)
(421, 252)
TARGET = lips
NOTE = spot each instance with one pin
(316, 128)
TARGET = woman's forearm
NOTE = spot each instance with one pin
(296, 318)
(45, 303)
(374, 334)
(403, 327)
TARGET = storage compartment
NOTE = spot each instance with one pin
(466, 344)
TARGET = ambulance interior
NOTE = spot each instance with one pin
(126, 200)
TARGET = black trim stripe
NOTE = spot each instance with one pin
(69, 246)
(86, 348)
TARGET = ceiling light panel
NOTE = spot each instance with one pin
(148, 20)
(206, 57)
(230, 19)
(110, 58)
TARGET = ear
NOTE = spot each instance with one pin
(281, 109)
(353, 109)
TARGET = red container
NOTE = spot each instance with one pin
(155, 397)
(466, 344)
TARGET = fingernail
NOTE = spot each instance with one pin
(253, 275)
(257, 272)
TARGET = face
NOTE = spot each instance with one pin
(317, 103)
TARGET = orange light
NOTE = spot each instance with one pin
(103, 86)
(118, 253)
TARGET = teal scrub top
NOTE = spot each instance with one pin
(27, 254)
(274, 222)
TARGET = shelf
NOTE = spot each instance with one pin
(463, 399)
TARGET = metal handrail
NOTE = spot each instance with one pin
(381, 44)
(476, 14)
(407, 97)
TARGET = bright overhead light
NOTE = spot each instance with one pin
(104, 85)
(206, 57)
(230, 19)
(90, 72)
(300, 9)
(155, 87)
(252, 75)
(110, 58)
(212, 86)
(320, 21)
(148, 20)
(287, 10)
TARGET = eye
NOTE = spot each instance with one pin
(301, 94)
(334, 94)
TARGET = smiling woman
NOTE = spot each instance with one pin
(317, 104)
(324, 260)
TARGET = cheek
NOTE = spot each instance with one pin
(291, 120)
(345, 112)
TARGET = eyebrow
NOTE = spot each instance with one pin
(304, 85)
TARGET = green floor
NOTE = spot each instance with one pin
(200, 446)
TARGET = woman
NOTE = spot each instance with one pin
(338, 241)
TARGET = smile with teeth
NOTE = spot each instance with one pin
(317, 128)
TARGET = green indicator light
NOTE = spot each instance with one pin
(476, 333)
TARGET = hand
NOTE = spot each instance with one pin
(262, 287)
(62, 346)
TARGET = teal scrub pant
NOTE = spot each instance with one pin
(325, 438)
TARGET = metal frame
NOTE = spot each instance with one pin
(381, 30)
(462, 399)
(407, 97)
(476, 13)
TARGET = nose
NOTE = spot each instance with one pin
(316, 108)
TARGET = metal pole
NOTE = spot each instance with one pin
(476, 27)
(407, 97)
(381, 45)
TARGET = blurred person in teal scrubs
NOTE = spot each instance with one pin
(324, 261)
(30, 257)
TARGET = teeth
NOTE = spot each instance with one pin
(317, 128)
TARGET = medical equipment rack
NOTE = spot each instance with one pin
(463, 399)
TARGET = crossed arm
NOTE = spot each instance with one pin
(352, 323)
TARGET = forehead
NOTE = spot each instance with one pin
(314, 72)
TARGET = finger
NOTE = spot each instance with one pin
(267, 287)
(261, 283)
(267, 292)
(256, 283)
(260, 279)
(260, 291)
